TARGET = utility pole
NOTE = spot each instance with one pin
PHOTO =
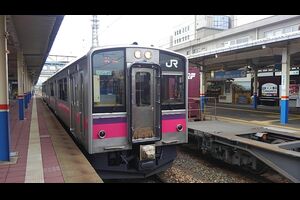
(95, 27)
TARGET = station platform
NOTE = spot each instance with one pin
(263, 116)
(292, 110)
(42, 151)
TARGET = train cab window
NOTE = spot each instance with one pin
(142, 85)
(109, 81)
(173, 91)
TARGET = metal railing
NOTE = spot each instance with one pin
(200, 111)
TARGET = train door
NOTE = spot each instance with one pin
(77, 104)
(81, 105)
(145, 112)
(55, 96)
(72, 101)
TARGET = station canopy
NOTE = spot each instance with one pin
(34, 34)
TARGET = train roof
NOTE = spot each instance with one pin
(111, 47)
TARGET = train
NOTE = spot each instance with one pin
(125, 106)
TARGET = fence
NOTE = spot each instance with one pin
(208, 110)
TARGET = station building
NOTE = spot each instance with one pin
(232, 82)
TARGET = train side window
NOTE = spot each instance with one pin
(51, 89)
(60, 89)
(65, 97)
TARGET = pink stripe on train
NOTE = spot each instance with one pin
(117, 130)
(169, 126)
(113, 130)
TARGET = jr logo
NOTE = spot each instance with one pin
(191, 75)
(172, 62)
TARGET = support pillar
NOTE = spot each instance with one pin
(28, 91)
(202, 88)
(20, 85)
(285, 85)
(255, 89)
(25, 87)
(4, 103)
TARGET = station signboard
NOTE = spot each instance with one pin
(230, 74)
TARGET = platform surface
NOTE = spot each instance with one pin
(42, 151)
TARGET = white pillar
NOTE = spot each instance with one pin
(255, 89)
(20, 84)
(25, 86)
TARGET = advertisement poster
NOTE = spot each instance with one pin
(294, 91)
(269, 90)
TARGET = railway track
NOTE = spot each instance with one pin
(151, 179)
(270, 176)
(191, 166)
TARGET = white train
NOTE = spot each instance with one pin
(125, 105)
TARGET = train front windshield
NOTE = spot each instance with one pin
(109, 81)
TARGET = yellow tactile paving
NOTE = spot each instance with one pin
(74, 166)
(34, 167)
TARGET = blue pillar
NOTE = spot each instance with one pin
(254, 100)
(202, 101)
(28, 99)
(284, 110)
(21, 107)
(4, 133)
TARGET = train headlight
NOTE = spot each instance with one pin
(101, 134)
(148, 55)
(137, 54)
(179, 127)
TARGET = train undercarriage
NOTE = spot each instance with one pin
(127, 164)
(254, 149)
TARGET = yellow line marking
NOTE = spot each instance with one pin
(260, 123)
(257, 111)
(34, 167)
(74, 166)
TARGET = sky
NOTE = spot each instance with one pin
(74, 37)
